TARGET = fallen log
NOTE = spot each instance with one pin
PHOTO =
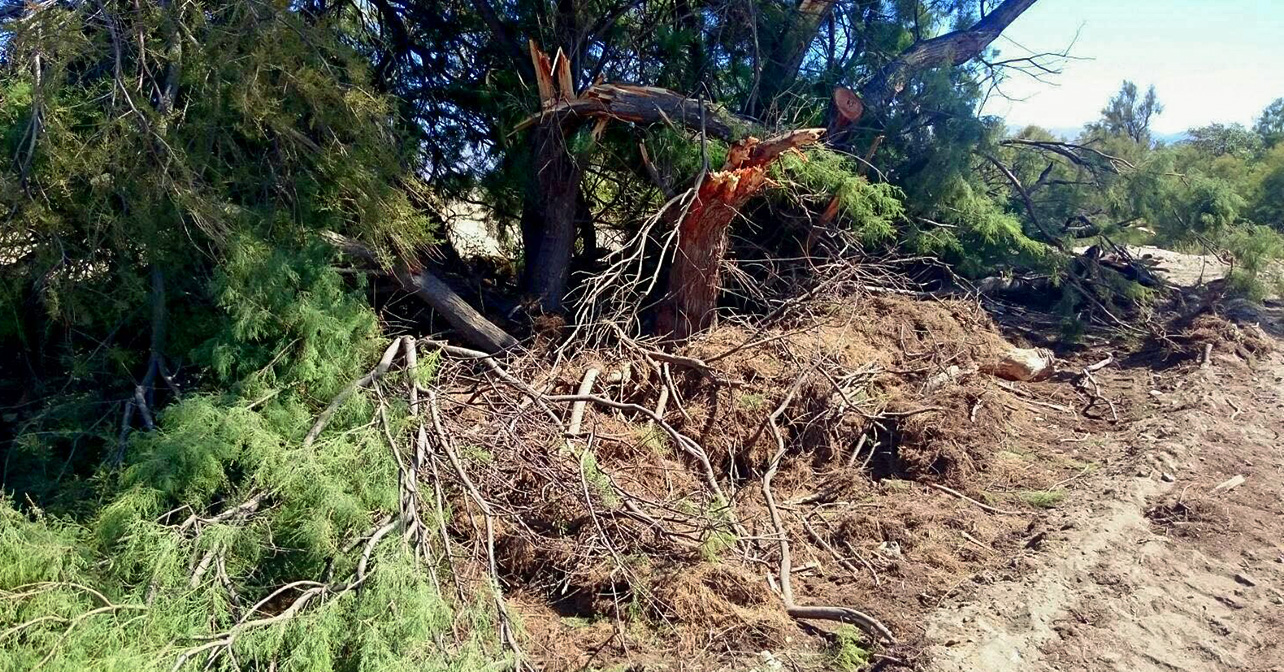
(473, 327)
(643, 105)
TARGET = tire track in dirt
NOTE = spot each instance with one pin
(1149, 571)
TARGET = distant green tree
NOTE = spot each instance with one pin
(1271, 124)
(1225, 139)
(1268, 192)
(1129, 113)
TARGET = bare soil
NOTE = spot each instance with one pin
(1149, 565)
(1084, 530)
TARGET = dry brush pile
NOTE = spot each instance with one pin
(667, 493)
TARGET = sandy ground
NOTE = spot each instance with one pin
(1151, 568)
(1149, 565)
(1185, 270)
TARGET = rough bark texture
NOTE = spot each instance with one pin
(694, 278)
(473, 327)
(549, 217)
(645, 105)
(548, 230)
(950, 49)
(553, 209)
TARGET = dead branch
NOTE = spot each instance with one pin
(506, 632)
(577, 409)
(684, 442)
(827, 613)
(472, 326)
(380, 369)
(982, 505)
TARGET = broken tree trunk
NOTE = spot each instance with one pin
(694, 278)
(549, 217)
(473, 327)
(552, 208)
(845, 108)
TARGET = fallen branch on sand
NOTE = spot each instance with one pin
(983, 506)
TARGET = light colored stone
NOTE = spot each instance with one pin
(1024, 364)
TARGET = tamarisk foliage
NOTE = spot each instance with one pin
(175, 312)
(172, 323)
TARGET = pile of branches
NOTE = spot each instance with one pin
(548, 471)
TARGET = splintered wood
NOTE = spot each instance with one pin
(694, 279)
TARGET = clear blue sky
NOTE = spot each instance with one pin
(1210, 60)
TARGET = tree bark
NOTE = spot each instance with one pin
(548, 230)
(473, 327)
(644, 105)
(549, 213)
(694, 278)
(549, 219)
(951, 49)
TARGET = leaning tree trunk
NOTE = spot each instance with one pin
(951, 49)
(694, 277)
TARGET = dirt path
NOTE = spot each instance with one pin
(1147, 567)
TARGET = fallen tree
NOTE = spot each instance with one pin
(473, 327)
(548, 221)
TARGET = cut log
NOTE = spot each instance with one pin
(473, 327)
(694, 279)
(1023, 364)
(845, 108)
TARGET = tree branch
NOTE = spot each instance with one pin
(472, 326)
(951, 49)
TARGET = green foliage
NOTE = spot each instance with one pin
(751, 401)
(1258, 271)
(1221, 189)
(170, 168)
(58, 572)
(1271, 124)
(716, 543)
(1222, 140)
(849, 652)
(1266, 189)
(978, 234)
(653, 438)
(1129, 113)
(871, 209)
(1042, 499)
(217, 185)
(597, 479)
